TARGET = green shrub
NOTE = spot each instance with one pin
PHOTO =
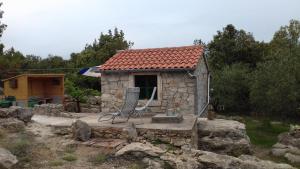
(69, 157)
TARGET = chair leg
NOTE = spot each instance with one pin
(113, 118)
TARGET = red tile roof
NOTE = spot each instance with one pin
(185, 57)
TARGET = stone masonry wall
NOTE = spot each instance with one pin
(177, 88)
(174, 137)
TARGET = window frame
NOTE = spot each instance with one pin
(159, 86)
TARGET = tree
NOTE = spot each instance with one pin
(101, 49)
(78, 94)
(2, 26)
(231, 89)
(233, 46)
(232, 55)
(275, 83)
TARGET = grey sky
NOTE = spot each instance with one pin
(60, 27)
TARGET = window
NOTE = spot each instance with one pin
(55, 81)
(146, 83)
(13, 83)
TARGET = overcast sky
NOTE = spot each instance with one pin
(60, 27)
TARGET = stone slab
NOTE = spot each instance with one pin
(105, 143)
(163, 118)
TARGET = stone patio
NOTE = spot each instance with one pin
(178, 134)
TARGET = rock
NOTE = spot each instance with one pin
(129, 132)
(153, 163)
(71, 107)
(7, 159)
(288, 139)
(9, 112)
(94, 100)
(288, 146)
(254, 162)
(81, 130)
(12, 124)
(48, 109)
(223, 137)
(295, 159)
(147, 149)
(203, 159)
(24, 114)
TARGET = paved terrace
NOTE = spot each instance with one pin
(177, 134)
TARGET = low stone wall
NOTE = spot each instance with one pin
(176, 137)
(49, 109)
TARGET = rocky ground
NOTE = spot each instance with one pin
(224, 144)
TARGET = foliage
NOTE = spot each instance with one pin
(69, 157)
(233, 46)
(275, 83)
(264, 133)
(79, 94)
(256, 76)
(231, 90)
(13, 62)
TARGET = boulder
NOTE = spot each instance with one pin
(288, 146)
(8, 112)
(129, 132)
(12, 124)
(203, 159)
(191, 158)
(24, 114)
(93, 100)
(71, 107)
(81, 130)
(147, 149)
(7, 159)
(223, 137)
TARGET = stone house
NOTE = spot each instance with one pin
(180, 74)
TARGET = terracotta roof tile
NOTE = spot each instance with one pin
(185, 57)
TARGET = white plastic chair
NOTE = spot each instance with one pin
(139, 111)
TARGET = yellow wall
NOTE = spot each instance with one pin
(20, 92)
(43, 87)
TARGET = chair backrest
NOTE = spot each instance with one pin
(131, 100)
(151, 98)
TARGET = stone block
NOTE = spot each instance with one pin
(163, 118)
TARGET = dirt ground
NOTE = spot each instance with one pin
(38, 148)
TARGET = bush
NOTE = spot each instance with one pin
(231, 89)
(69, 157)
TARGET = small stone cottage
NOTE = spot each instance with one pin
(180, 74)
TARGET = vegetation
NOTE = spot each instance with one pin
(251, 76)
(69, 157)
(263, 132)
(247, 75)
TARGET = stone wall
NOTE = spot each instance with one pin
(177, 88)
(174, 137)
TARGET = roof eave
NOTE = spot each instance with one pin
(147, 70)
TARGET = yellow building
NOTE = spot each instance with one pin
(48, 88)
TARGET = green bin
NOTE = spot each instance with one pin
(5, 104)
